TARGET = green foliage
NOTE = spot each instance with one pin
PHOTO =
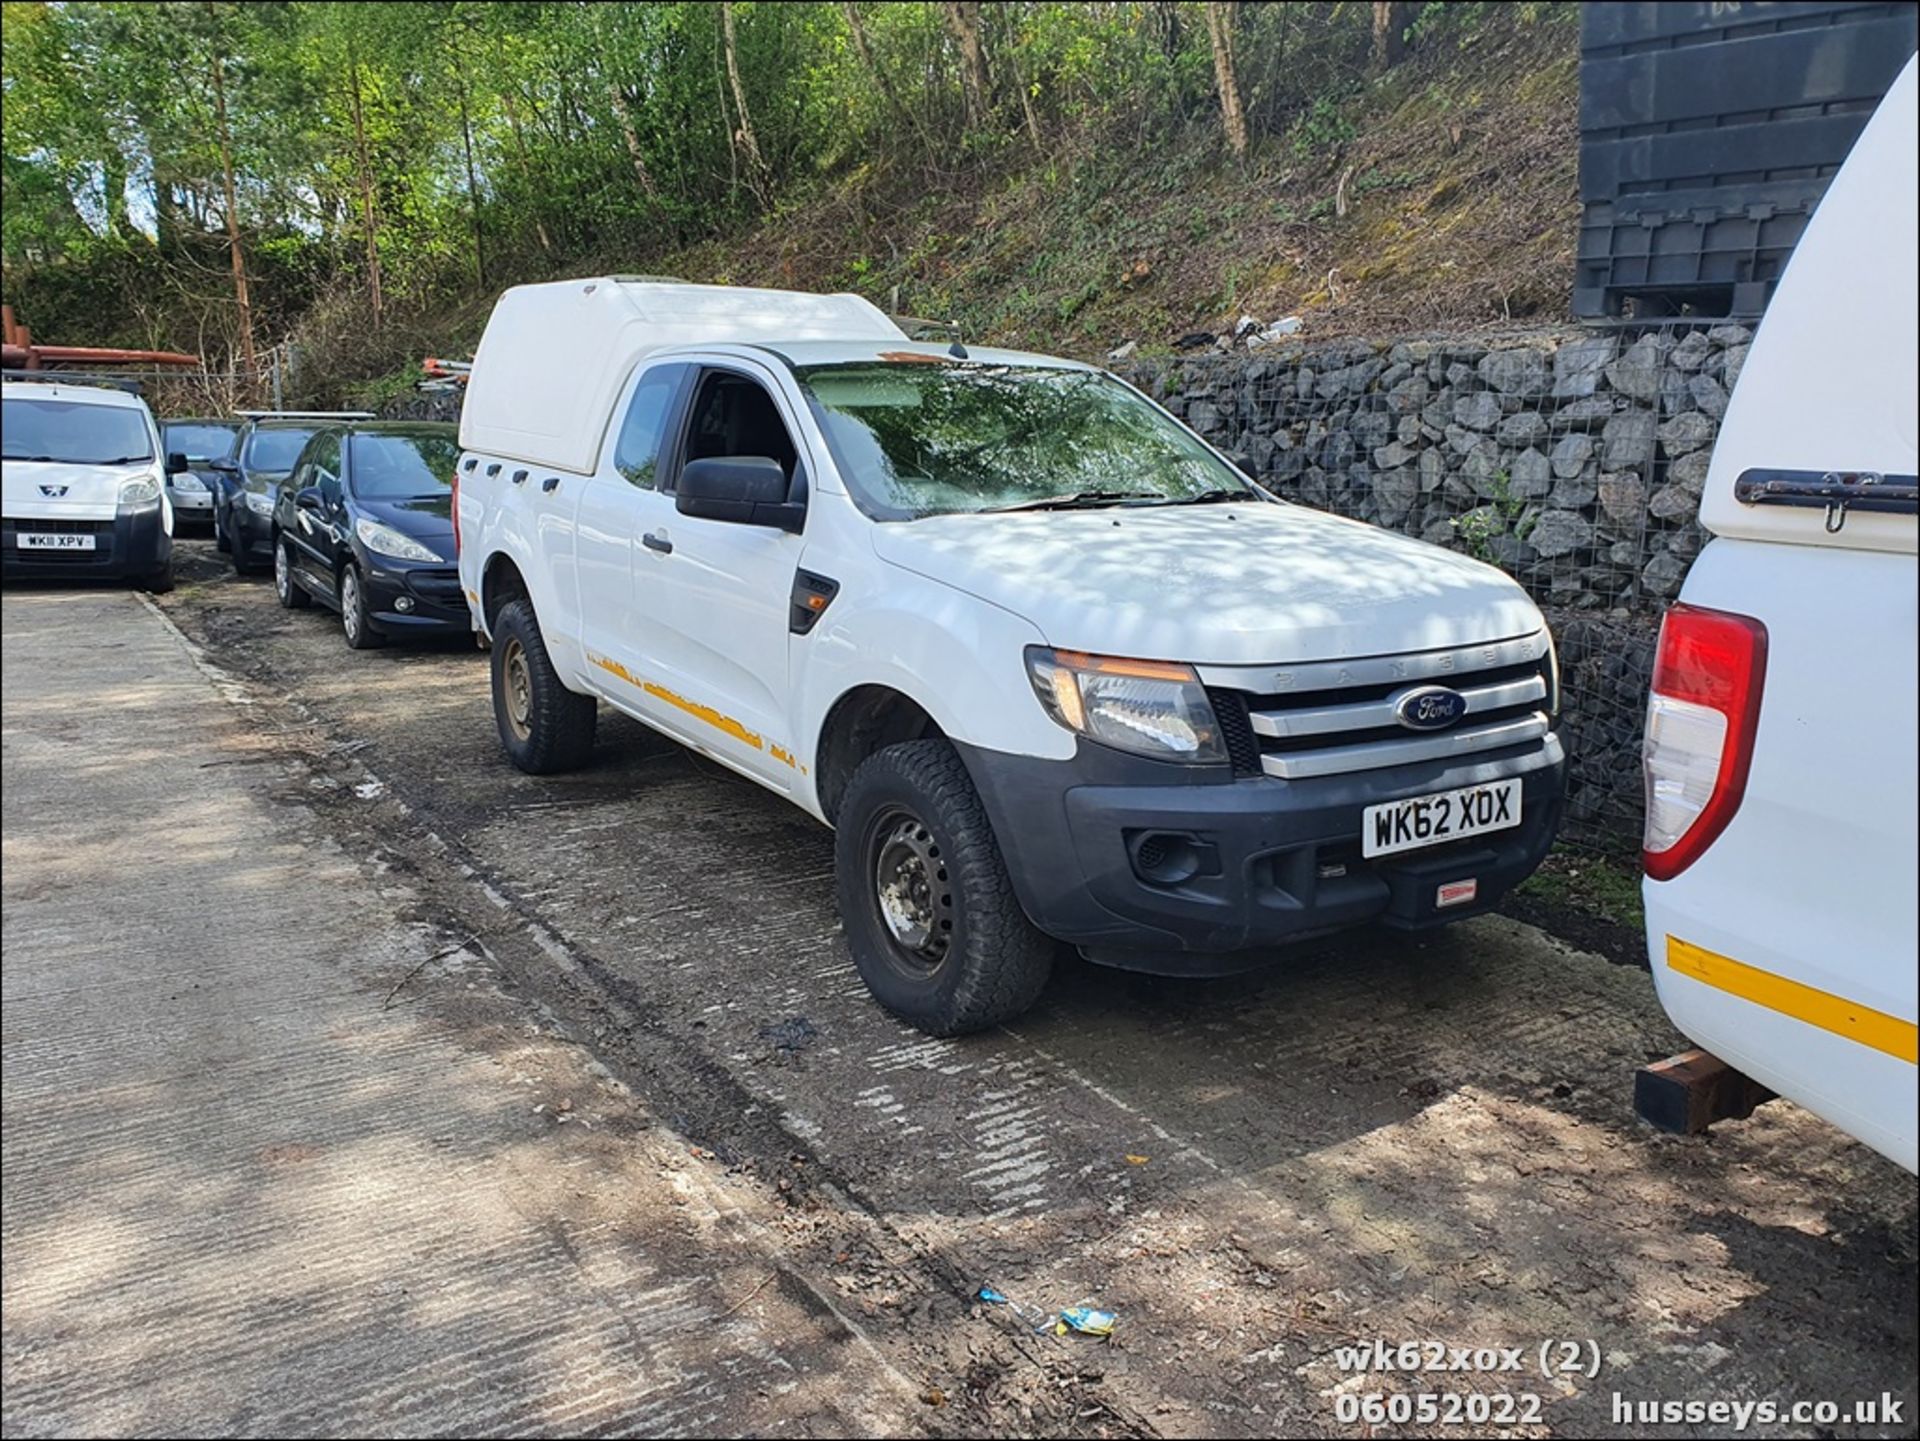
(1323, 127)
(1504, 513)
(462, 145)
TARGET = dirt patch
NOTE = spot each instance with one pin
(1388, 1138)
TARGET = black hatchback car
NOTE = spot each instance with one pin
(364, 524)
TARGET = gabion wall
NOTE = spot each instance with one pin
(1573, 462)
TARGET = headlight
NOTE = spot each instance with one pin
(142, 491)
(188, 483)
(388, 541)
(1152, 708)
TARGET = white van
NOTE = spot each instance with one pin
(1781, 844)
(83, 483)
(1053, 669)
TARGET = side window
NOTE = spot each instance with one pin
(636, 454)
(324, 457)
(733, 415)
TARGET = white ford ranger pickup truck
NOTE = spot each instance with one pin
(1052, 668)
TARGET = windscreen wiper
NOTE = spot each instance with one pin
(1074, 499)
(1211, 497)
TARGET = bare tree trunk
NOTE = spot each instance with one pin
(1010, 50)
(1390, 21)
(756, 166)
(1233, 118)
(241, 302)
(963, 20)
(857, 29)
(526, 166)
(366, 184)
(473, 186)
(624, 114)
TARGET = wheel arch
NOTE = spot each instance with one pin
(862, 720)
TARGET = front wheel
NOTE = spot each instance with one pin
(285, 588)
(928, 908)
(220, 541)
(544, 727)
(356, 625)
(159, 582)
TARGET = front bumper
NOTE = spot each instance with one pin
(191, 504)
(435, 603)
(1281, 859)
(132, 543)
(249, 533)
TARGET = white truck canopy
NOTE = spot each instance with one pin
(1831, 380)
(554, 356)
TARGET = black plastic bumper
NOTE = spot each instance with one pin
(1277, 861)
(250, 534)
(435, 603)
(133, 543)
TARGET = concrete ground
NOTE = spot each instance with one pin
(251, 1188)
(1385, 1139)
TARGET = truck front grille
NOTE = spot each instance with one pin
(1335, 717)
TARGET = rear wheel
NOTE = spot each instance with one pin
(285, 588)
(544, 727)
(355, 623)
(928, 908)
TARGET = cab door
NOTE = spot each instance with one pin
(719, 593)
(316, 529)
(617, 507)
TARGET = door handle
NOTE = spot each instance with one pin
(657, 540)
(552, 482)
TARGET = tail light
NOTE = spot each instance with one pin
(1701, 720)
(456, 514)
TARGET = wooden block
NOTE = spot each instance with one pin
(1687, 1093)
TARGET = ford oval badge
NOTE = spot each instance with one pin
(1430, 708)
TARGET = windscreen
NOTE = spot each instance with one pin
(200, 441)
(937, 437)
(403, 467)
(73, 431)
(276, 450)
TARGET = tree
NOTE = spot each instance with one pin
(757, 176)
(963, 20)
(1390, 21)
(1233, 117)
(224, 133)
(370, 223)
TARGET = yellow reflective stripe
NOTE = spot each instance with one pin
(706, 713)
(1898, 1038)
(673, 698)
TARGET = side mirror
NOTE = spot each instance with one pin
(307, 498)
(176, 463)
(745, 489)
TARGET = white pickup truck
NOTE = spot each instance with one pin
(1782, 837)
(1052, 668)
